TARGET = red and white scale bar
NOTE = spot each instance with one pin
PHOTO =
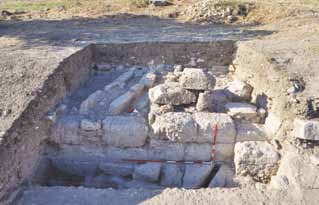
(215, 131)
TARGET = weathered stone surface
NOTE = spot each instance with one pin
(196, 175)
(149, 172)
(148, 80)
(205, 101)
(197, 79)
(239, 91)
(67, 130)
(226, 132)
(171, 175)
(242, 111)
(90, 129)
(224, 152)
(279, 182)
(175, 126)
(123, 102)
(92, 101)
(111, 86)
(125, 77)
(272, 124)
(257, 159)
(120, 169)
(219, 100)
(159, 2)
(171, 93)
(306, 129)
(76, 167)
(223, 177)
(125, 131)
(115, 153)
(198, 152)
(136, 184)
(250, 132)
(165, 150)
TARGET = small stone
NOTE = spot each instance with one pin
(197, 79)
(239, 91)
(242, 111)
(148, 172)
(205, 101)
(196, 175)
(306, 129)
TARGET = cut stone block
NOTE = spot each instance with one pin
(175, 126)
(224, 152)
(250, 132)
(219, 100)
(223, 177)
(198, 152)
(242, 111)
(171, 175)
(226, 132)
(125, 77)
(306, 129)
(90, 129)
(149, 172)
(257, 159)
(92, 101)
(197, 79)
(148, 80)
(205, 101)
(67, 130)
(239, 91)
(165, 150)
(117, 154)
(125, 131)
(171, 93)
(76, 167)
(196, 175)
(120, 169)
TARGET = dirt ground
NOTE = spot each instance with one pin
(32, 47)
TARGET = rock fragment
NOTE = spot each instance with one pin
(306, 129)
(239, 91)
(242, 111)
(197, 79)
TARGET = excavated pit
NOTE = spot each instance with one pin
(148, 115)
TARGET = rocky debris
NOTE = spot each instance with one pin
(197, 79)
(195, 152)
(306, 129)
(120, 169)
(67, 130)
(250, 132)
(171, 93)
(175, 126)
(242, 111)
(123, 102)
(226, 132)
(90, 129)
(312, 108)
(257, 159)
(165, 150)
(148, 80)
(279, 182)
(171, 175)
(92, 101)
(223, 177)
(125, 131)
(239, 91)
(196, 175)
(148, 172)
(205, 101)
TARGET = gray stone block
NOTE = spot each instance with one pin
(171, 175)
(165, 150)
(223, 177)
(117, 168)
(250, 132)
(306, 129)
(242, 111)
(198, 152)
(67, 130)
(196, 175)
(149, 172)
(197, 79)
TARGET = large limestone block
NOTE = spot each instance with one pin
(306, 129)
(205, 101)
(242, 111)
(175, 126)
(197, 79)
(92, 101)
(165, 150)
(196, 175)
(226, 132)
(171, 93)
(125, 131)
(198, 152)
(223, 177)
(148, 172)
(171, 175)
(67, 130)
(257, 159)
(239, 91)
(120, 169)
(250, 132)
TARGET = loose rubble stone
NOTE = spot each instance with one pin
(239, 91)
(198, 152)
(196, 175)
(149, 172)
(171, 93)
(67, 130)
(257, 159)
(242, 111)
(223, 177)
(165, 150)
(250, 132)
(197, 79)
(92, 101)
(175, 126)
(306, 129)
(125, 131)
(226, 132)
(279, 182)
(148, 80)
(205, 101)
(120, 169)
(171, 175)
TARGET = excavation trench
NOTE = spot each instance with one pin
(143, 116)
